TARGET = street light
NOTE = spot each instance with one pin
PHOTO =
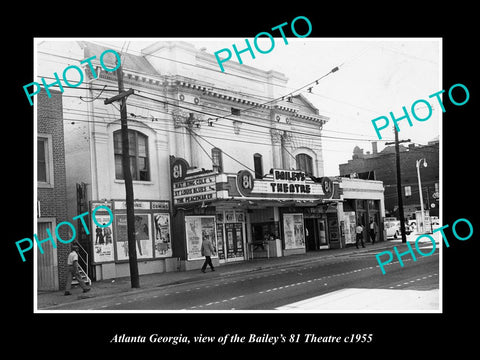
(420, 191)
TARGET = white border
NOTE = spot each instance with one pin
(35, 60)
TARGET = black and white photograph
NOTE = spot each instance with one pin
(232, 181)
(291, 174)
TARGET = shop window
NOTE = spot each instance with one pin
(304, 163)
(373, 204)
(44, 161)
(217, 162)
(258, 166)
(361, 204)
(138, 155)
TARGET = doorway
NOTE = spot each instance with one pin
(310, 232)
(315, 234)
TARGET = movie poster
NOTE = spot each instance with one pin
(294, 231)
(163, 239)
(198, 228)
(349, 227)
(143, 239)
(102, 238)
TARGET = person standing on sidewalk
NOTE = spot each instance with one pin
(72, 263)
(373, 230)
(207, 250)
(359, 232)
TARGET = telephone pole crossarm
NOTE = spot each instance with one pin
(119, 96)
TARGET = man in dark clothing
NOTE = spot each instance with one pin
(373, 230)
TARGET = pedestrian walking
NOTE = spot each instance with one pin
(207, 250)
(359, 231)
(373, 230)
(72, 263)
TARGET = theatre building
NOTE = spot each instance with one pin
(211, 155)
(280, 214)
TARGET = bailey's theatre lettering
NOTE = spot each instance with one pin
(289, 182)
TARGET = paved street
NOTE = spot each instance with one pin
(352, 282)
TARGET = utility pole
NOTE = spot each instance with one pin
(127, 176)
(399, 183)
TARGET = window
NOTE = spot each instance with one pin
(258, 166)
(304, 163)
(217, 160)
(42, 156)
(44, 161)
(138, 154)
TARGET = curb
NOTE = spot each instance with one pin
(197, 279)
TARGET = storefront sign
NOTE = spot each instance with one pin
(194, 190)
(137, 205)
(161, 205)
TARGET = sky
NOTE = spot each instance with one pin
(376, 76)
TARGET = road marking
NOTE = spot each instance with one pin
(412, 281)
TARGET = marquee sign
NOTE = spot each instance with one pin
(284, 184)
(196, 189)
(289, 182)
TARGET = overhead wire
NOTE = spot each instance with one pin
(250, 108)
(215, 115)
(261, 125)
(305, 134)
(249, 78)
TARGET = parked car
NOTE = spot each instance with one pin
(392, 228)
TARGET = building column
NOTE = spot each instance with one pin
(276, 136)
(287, 150)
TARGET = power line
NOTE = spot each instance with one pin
(255, 106)
(286, 95)
(249, 78)
(223, 152)
(260, 125)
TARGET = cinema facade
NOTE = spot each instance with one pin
(209, 157)
(286, 212)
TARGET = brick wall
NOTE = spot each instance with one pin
(383, 164)
(53, 200)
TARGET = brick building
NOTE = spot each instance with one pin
(381, 166)
(51, 192)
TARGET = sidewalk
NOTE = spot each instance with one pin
(114, 287)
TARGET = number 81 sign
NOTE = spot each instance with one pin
(179, 169)
(244, 182)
